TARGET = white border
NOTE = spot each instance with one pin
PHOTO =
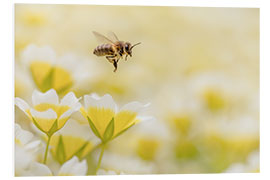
(7, 91)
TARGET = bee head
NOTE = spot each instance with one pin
(128, 48)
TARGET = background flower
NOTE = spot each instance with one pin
(73, 167)
(58, 72)
(73, 139)
(26, 150)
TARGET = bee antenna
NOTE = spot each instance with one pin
(135, 45)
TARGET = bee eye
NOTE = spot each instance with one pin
(126, 47)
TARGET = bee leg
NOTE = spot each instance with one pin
(126, 57)
(110, 58)
(115, 65)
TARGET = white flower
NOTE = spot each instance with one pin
(72, 139)
(50, 71)
(73, 168)
(47, 113)
(34, 53)
(23, 82)
(102, 114)
(127, 164)
(251, 165)
(22, 136)
(37, 169)
(25, 150)
(108, 172)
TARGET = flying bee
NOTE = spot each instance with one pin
(113, 50)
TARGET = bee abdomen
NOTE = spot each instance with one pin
(104, 49)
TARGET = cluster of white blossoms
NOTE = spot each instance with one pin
(26, 158)
(49, 115)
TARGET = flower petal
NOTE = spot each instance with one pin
(69, 100)
(104, 172)
(35, 53)
(105, 102)
(100, 118)
(33, 146)
(123, 120)
(49, 97)
(65, 116)
(134, 107)
(74, 128)
(22, 159)
(22, 136)
(146, 118)
(37, 169)
(73, 168)
(22, 105)
(44, 119)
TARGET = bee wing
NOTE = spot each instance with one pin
(113, 36)
(102, 38)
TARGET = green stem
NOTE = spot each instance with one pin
(96, 147)
(46, 151)
(100, 157)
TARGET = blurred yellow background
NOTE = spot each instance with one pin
(198, 67)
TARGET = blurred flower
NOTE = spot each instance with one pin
(185, 149)
(150, 139)
(49, 71)
(104, 118)
(108, 172)
(127, 164)
(220, 152)
(181, 122)
(25, 150)
(37, 169)
(251, 165)
(23, 83)
(22, 137)
(214, 99)
(34, 18)
(73, 139)
(73, 168)
(147, 148)
(47, 113)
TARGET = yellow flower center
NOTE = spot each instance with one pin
(34, 18)
(65, 148)
(62, 80)
(100, 117)
(214, 99)
(182, 122)
(58, 109)
(123, 120)
(46, 124)
(147, 148)
(17, 141)
(47, 76)
(40, 71)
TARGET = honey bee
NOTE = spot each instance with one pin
(113, 50)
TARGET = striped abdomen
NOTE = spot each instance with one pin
(104, 49)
